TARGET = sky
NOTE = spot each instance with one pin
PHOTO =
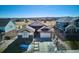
(11, 11)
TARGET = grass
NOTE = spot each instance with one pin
(73, 44)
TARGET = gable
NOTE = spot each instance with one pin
(10, 26)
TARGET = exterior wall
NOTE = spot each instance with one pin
(11, 34)
(10, 26)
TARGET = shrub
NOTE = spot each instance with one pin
(7, 38)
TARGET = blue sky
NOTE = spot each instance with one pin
(38, 10)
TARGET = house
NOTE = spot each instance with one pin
(26, 32)
(45, 33)
(63, 22)
(25, 36)
(36, 25)
(68, 29)
(72, 30)
(60, 26)
(8, 26)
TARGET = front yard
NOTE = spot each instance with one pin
(73, 44)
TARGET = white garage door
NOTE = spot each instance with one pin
(25, 34)
(45, 35)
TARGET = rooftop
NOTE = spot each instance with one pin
(36, 23)
(4, 22)
(65, 19)
(44, 29)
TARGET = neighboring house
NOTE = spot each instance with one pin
(27, 32)
(69, 31)
(7, 26)
(60, 26)
(72, 30)
(63, 22)
(45, 33)
(25, 36)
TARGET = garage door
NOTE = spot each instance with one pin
(45, 35)
(25, 34)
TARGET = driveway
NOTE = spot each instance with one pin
(14, 47)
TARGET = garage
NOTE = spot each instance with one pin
(45, 33)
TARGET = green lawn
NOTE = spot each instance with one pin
(73, 44)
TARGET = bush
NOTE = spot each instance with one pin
(74, 44)
(7, 38)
